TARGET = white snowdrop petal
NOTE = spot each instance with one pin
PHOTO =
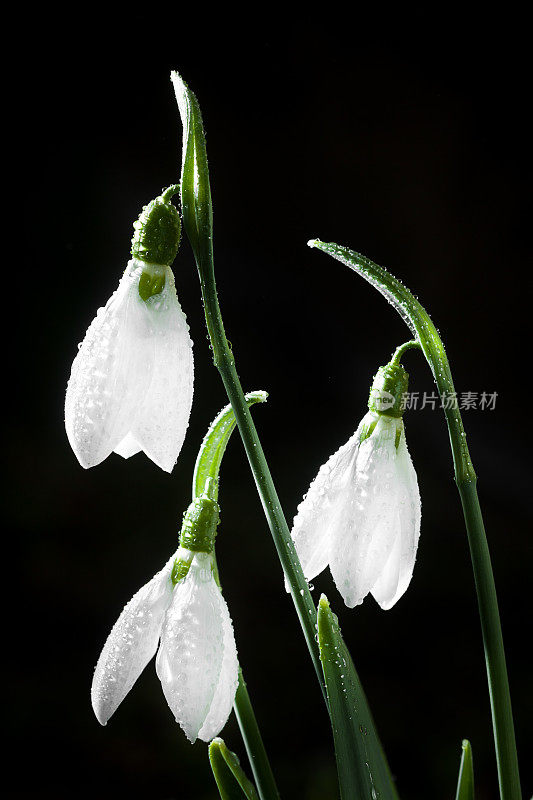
(131, 644)
(163, 413)
(110, 372)
(401, 561)
(385, 588)
(227, 683)
(366, 529)
(410, 518)
(191, 651)
(317, 515)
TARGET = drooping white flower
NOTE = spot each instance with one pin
(197, 659)
(362, 515)
(131, 383)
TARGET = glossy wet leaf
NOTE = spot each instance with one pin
(195, 189)
(361, 764)
(231, 781)
(465, 783)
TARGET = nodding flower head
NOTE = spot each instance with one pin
(361, 514)
(131, 383)
(182, 611)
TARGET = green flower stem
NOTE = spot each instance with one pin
(225, 363)
(420, 324)
(198, 223)
(205, 484)
(500, 698)
(401, 349)
(251, 735)
(264, 779)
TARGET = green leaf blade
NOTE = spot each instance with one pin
(465, 782)
(230, 778)
(361, 764)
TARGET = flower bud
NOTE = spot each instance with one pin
(388, 390)
(157, 234)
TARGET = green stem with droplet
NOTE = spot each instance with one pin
(205, 485)
(198, 223)
(431, 344)
(403, 348)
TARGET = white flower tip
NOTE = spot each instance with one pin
(166, 466)
(101, 709)
(386, 606)
(191, 737)
(105, 699)
(351, 602)
(86, 456)
(312, 242)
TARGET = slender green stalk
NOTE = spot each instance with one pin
(402, 348)
(251, 735)
(500, 697)
(421, 324)
(205, 483)
(224, 361)
(264, 779)
(198, 223)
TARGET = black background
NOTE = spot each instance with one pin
(402, 138)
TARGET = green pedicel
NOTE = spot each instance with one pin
(198, 532)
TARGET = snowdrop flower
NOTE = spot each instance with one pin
(361, 514)
(183, 611)
(131, 383)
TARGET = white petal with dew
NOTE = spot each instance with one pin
(110, 373)
(385, 588)
(163, 414)
(191, 652)
(318, 512)
(368, 521)
(131, 644)
(227, 683)
(410, 518)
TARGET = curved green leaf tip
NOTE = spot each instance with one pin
(194, 188)
(230, 778)
(421, 325)
(465, 783)
(361, 764)
(205, 477)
